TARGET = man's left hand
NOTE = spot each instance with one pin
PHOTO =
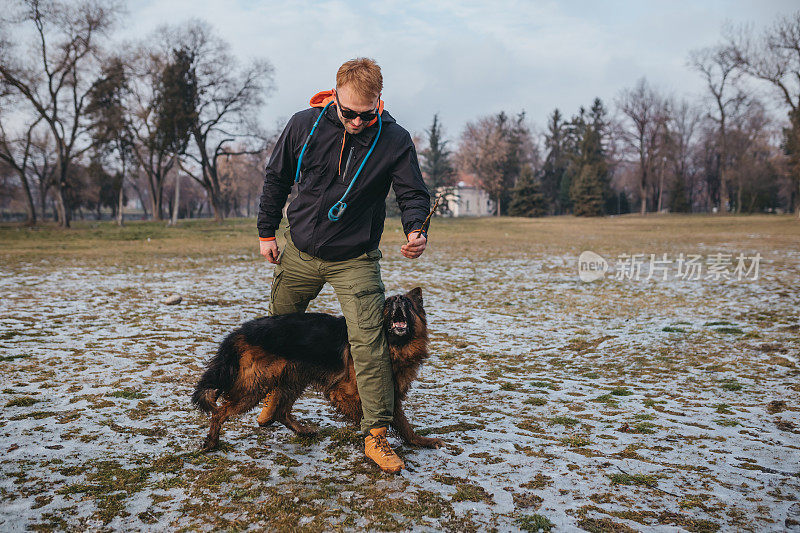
(415, 245)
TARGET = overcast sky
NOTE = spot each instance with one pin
(466, 59)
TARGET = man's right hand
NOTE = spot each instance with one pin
(269, 249)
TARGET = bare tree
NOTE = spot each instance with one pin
(749, 142)
(718, 66)
(228, 100)
(56, 80)
(495, 148)
(774, 57)
(43, 164)
(241, 177)
(645, 115)
(16, 153)
(681, 132)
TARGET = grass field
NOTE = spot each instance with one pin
(616, 405)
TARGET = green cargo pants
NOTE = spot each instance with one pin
(298, 279)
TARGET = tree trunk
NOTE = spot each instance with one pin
(739, 198)
(214, 200)
(176, 201)
(156, 184)
(155, 205)
(218, 215)
(142, 202)
(29, 208)
(643, 186)
(43, 202)
(62, 213)
(724, 195)
(121, 200)
(660, 190)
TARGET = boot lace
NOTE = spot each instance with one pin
(383, 445)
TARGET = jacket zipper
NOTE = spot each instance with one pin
(347, 164)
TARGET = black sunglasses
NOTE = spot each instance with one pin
(349, 114)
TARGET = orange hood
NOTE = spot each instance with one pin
(322, 98)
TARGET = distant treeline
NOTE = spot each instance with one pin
(725, 152)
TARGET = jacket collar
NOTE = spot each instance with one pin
(321, 99)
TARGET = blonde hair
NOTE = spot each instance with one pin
(363, 75)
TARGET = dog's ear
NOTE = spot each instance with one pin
(416, 295)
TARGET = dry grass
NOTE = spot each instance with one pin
(471, 237)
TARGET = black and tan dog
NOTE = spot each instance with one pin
(282, 355)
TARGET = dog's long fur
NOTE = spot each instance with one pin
(285, 354)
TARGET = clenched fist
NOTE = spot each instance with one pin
(269, 249)
(415, 245)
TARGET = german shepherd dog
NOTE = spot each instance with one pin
(284, 354)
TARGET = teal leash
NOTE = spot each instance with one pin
(335, 212)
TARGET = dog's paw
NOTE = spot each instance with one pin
(437, 443)
(429, 443)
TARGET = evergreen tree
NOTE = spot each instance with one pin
(176, 103)
(587, 193)
(436, 164)
(436, 158)
(111, 130)
(678, 202)
(526, 198)
(598, 115)
(555, 163)
(586, 187)
(589, 190)
(574, 133)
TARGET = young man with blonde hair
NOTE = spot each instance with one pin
(344, 153)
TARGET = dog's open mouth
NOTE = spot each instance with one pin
(399, 327)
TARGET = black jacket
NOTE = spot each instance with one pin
(325, 175)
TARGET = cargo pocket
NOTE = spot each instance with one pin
(369, 305)
(276, 280)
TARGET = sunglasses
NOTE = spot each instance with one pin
(349, 114)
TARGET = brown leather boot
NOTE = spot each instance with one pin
(377, 448)
(267, 415)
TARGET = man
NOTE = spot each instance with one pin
(355, 153)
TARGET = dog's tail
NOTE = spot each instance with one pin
(219, 377)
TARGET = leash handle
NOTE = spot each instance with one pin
(335, 212)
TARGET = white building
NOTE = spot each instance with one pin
(467, 199)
